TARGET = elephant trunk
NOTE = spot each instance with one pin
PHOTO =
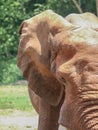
(48, 116)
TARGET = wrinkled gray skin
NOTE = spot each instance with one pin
(59, 59)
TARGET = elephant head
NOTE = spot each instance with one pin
(58, 56)
(76, 66)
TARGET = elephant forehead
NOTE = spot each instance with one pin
(80, 41)
(77, 36)
(85, 36)
(85, 20)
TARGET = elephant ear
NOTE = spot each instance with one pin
(34, 54)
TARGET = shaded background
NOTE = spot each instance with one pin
(13, 12)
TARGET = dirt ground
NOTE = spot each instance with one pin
(19, 120)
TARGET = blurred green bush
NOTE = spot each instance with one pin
(9, 72)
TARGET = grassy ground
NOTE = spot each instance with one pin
(15, 99)
(15, 128)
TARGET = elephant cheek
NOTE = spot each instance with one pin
(65, 115)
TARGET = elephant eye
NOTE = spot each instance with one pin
(62, 80)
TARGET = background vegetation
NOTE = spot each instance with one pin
(13, 12)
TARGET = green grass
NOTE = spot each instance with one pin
(2, 127)
(14, 98)
(15, 102)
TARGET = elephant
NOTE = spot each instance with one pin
(58, 57)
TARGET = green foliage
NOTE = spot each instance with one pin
(9, 71)
(39, 8)
(88, 6)
(12, 13)
(63, 7)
